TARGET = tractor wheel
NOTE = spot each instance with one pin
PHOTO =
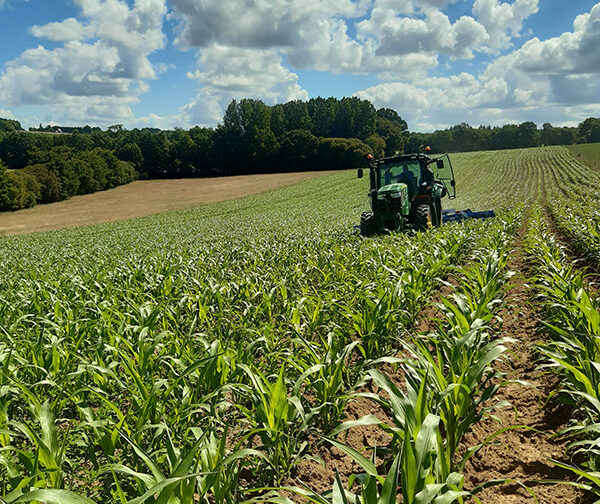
(423, 218)
(367, 223)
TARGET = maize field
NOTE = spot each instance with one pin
(259, 350)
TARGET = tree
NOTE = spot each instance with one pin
(23, 189)
(392, 135)
(131, 153)
(393, 117)
(245, 141)
(297, 150)
(50, 185)
(4, 188)
(378, 145)
(589, 130)
(10, 125)
(322, 112)
(61, 162)
(342, 153)
(528, 134)
(182, 152)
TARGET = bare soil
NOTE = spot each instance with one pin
(143, 197)
(523, 454)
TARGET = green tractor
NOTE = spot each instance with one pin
(406, 193)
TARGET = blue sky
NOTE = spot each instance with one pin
(178, 63)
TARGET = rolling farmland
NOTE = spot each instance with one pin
(259, 350)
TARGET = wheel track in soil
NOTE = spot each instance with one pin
(523, 454)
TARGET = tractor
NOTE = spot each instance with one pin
(406, 193)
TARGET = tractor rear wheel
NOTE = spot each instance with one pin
(367, 223)
(423, 218)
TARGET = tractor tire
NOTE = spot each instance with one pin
(367, 223)
(423, 218)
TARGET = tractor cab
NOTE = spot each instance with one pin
(406, 191)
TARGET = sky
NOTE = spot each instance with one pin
(179, 63)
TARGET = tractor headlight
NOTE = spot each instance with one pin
(395, 195)
(381, 197)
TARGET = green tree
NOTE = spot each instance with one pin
(10, 125)
(23, 189)
(528, 134)
(392, 135)
(377, 144)
(589, 130)
(245, 141)
(322, 112)
(131, 153)
(297, 150)
(4, 188)
(50, 185)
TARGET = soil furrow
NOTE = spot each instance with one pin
(522, 454)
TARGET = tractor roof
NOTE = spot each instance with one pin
(402, 158)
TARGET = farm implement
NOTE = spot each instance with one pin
(406, 193)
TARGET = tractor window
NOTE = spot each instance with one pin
(442, 171)
(407, 172)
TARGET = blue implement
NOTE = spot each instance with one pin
(452, 215)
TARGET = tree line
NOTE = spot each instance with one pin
(465, 138)
(53, 163)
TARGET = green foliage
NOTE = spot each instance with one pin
(4, 188)
(9, 125)
(23, 190)
(200, 355)
(50, 184)
(572, 317)
(131, 153)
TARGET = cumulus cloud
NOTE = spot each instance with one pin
(240, 23)
(226, 73)
(544, 80)
(503, 20)
(562, 70)
(433, 34)
(99, 70)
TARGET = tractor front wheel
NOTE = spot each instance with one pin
(367, 223)
(423, 218)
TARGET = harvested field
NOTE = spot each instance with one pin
(141, 198)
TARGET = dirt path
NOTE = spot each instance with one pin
(523, 454)
(143, 197)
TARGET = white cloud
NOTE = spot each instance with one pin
(503, 20)
(101, 67)
(438, 98)
(433, 34)
(262, 24)
(226, 73)
(552, 80)
(6, 114)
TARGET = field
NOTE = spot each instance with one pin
(141, 198)
(259, 350)
(587, 153)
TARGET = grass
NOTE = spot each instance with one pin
(588, 154)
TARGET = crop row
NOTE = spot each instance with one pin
(204, 354)
(572, 318)
(573, 192)
(141, 351)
